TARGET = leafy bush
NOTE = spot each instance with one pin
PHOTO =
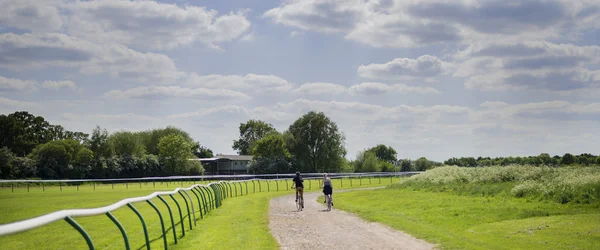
(563, 185)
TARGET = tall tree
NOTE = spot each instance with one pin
(202, 151)
(272, 146)
(126, 143)
(250, 133)
(384, 153)
(175, 152)
(316, 143)
(151, 138)
(99, 143)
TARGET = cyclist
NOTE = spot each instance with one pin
(298, 183)
(327, 188)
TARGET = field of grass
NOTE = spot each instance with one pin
(461, 208)
(236, 212)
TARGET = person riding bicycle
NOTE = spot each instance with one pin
(298, 182)
(327, 188)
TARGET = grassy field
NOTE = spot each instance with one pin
(483, 209)
(237, 212)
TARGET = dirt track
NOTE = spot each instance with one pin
(316, 228)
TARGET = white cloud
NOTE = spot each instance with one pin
(31, 15)
(320, 88)
(28, 51)
(17, 85)
(375, 88)
(250, 82)
(142, 24)
(158, 92)
(545, 66)
(59, 84)
(153, 25)
(425, 66)
(400, 23)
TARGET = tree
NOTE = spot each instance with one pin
(422, 164)
(545, 159)
(250, 133)
(151, 138)
(7, 169)
(384, 153)
(567, 159)
(203, 152)
(99, 143)
(406, 165)
(55, 159)
(175, 152)
(271, 146)
(127, 144)
(316, 143)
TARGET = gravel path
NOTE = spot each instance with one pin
(314, 228)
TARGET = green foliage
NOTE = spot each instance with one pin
(316, 143)
(422, 164)
(99, 143)
(126, 143)
(203, 152)
(151, 138)
(406, 165)
(7, 169)
(175, 152)
(251, 132)
(56, 158)
(21, 132)
(271, 146)
(562, 185)
(567, 159)
(384, 153)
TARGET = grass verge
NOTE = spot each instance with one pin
(478, 222)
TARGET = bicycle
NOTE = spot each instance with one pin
(328, 201)
(300, 203)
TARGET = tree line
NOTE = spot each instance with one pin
(313, 143)
(31, 147)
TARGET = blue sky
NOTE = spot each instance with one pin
(430, 78)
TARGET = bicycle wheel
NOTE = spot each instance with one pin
(328, 202)
(298, 205)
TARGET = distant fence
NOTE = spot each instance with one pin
(208, 197)
(145, 180)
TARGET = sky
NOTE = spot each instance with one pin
(431, 78)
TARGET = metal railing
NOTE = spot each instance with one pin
(208, 197)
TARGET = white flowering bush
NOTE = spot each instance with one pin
(567, 184)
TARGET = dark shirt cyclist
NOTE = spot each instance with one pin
(298, 183)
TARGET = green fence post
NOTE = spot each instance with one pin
(201, 193)
(125, 238)
(43, 187)
(277, 185)
(253, 187)
(350, 181)
(188, 209)
(246, 182)
(191, 204)
(162, 222)
(143, 224)
(234, 188)
(180, 215)
(309, 184)
(370, 180)
(342, 182)
(197, 198)
(268, 186)
(360, 180)
(259, 186)
(83, 233)
(171, 216)
(210, 197)
(287, 185)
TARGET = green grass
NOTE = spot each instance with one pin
(474, 220)
(241, 223)
(22, 204)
